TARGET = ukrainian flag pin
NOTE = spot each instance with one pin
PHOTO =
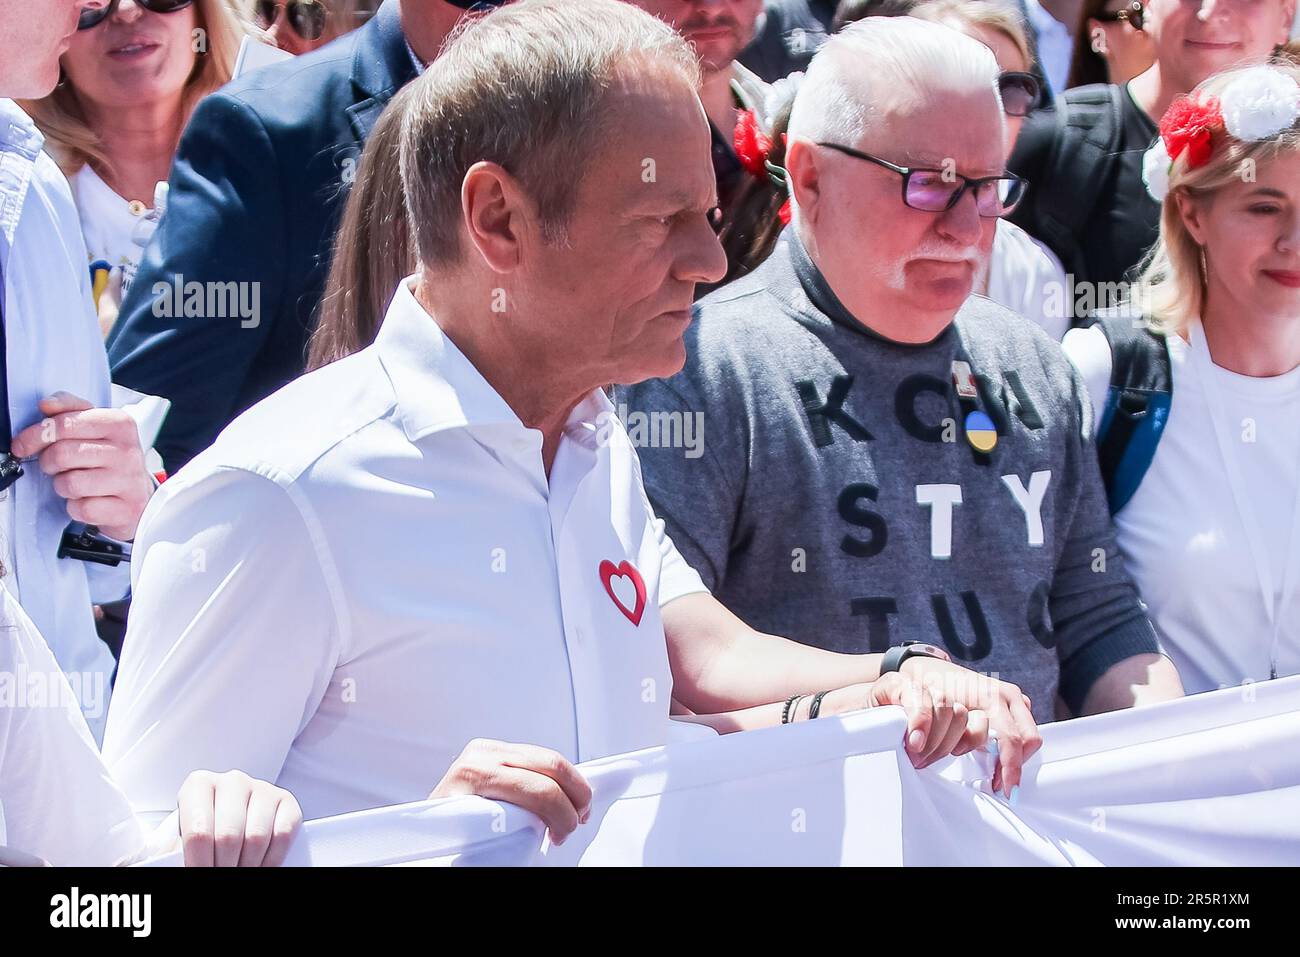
(980, 431)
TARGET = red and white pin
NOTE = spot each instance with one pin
(625, 588)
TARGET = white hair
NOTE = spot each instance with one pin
(882, 64)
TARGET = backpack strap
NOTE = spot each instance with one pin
(1080, 164)
(1137, 402)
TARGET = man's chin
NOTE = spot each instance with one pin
(665, 364)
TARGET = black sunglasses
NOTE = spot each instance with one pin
(93, 18)
(306, 17)
(1132, 14)
(1019, 92)
(935, 191)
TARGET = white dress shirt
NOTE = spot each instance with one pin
(370, 568)
(53, 343)
(57, 801)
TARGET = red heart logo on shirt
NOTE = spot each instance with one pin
(625, 570)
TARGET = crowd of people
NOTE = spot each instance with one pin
(545, 377)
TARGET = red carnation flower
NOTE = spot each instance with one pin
(752, 144)
(1189, 125)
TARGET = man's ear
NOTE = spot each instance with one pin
(1288, 18)
(491, 203)
(1193, 213)
(803, 178)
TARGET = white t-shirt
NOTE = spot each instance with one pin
(57, 801)
(370, 568)
(1027, 278)
(108, 223)
(1181, 534)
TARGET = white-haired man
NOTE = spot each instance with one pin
(394, 566)
(887, 460)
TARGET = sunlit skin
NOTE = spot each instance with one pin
(1250, 232)
(902, 272)
(1193, 39)
(717, 30)
(1127, 51)
(129, 74)
(35, 35)
(1010, 60)
(613, 302)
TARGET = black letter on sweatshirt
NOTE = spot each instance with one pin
(905, 406)
(877, 611)
(1040, 616)
(854, 514)
(822, 414)
(943, 618)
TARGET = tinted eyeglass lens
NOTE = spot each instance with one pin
(164, 6)
(307, 19)
(928, 191)
(267, 10)
(95, 16)
(998, 197)
(1019, 93)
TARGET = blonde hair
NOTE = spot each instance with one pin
(373, 251)
(975, 14)
(1170, 289)
(523, 86)
(59, 116)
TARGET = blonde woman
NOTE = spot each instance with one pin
(1205, 473)
(131, 76)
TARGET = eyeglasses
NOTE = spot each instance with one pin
(93, 18)
(1019, 92)
(935, 191)
(1133, 14)
(306, 17)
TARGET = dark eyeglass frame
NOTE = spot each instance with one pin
(1032, 87)
(289, 6)
(967, 183)
(1132, 14)
(93, 18)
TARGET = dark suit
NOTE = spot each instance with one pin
(257, 188)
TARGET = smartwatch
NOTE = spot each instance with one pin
(894, 657)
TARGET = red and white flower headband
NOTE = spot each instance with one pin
(1258, 105)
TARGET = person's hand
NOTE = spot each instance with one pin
(1006, 707)
(536, 779)
(96, 460)
(936, 727)
(233, 820)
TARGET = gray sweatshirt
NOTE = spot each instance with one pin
(820, 480)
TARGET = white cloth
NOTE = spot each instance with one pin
(1211, 780)
(108, 224)
(53, 343)
(1027, 278)
(1181, 534)
(370, 568)
(57, 801)
(1055, 45)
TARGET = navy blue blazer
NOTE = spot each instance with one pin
(256, 191)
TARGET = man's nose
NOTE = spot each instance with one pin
(701, 258)
(963, 222)
(1207, 10)
(128, 11)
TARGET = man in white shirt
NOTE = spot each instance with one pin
(444, 538)
(80, 457)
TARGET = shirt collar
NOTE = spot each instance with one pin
(419, 64)
(438, 388)
(20, 145)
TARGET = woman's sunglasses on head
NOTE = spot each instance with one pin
(1130, 14)
(93, 18)
(306, 17)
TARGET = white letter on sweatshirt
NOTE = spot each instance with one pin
(1030, 501)
(941, 499)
